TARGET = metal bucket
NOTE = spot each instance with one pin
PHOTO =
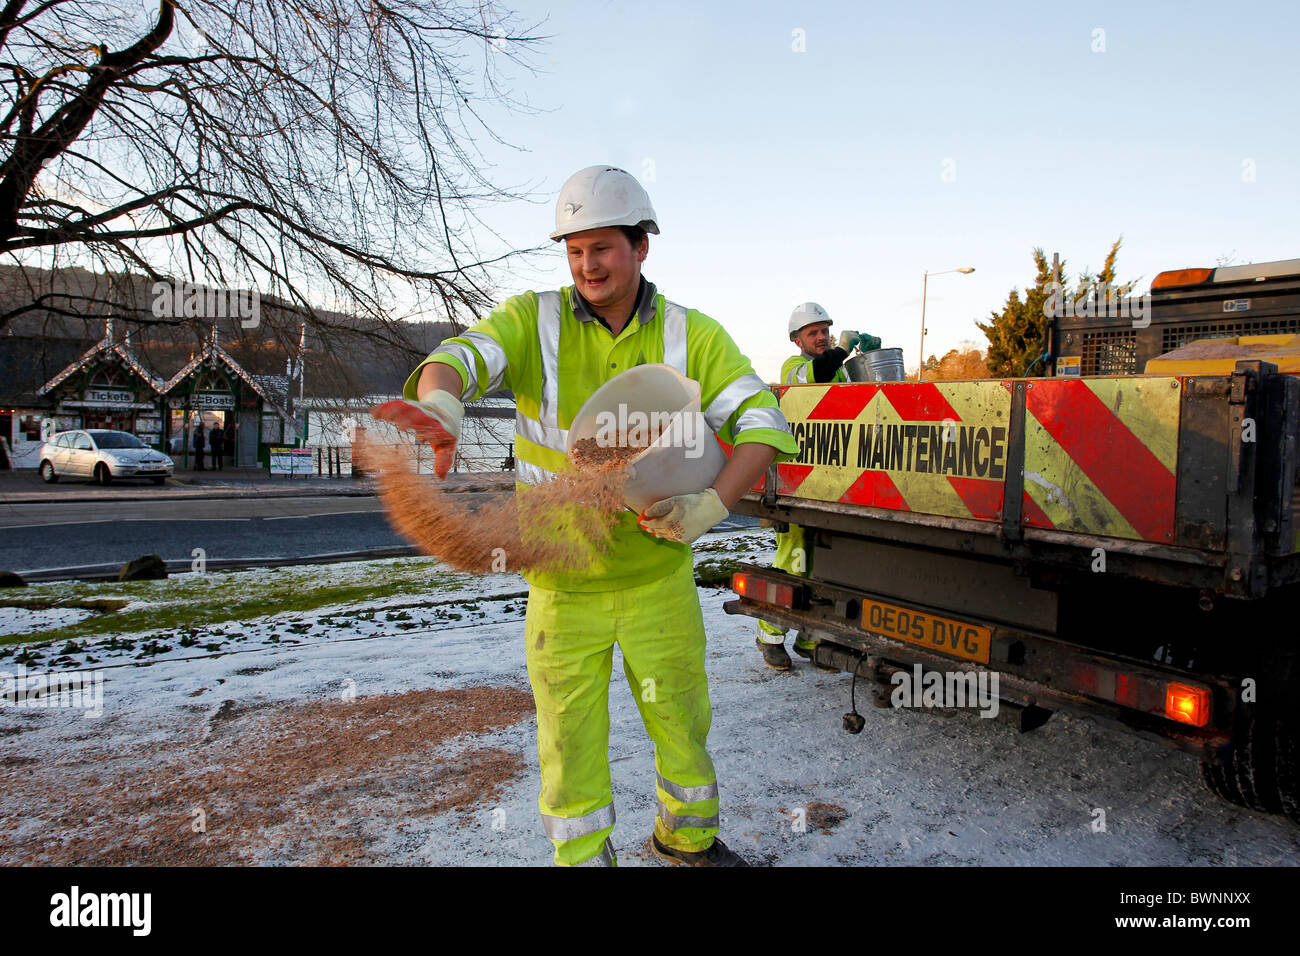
(879, 365)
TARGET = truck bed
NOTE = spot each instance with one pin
(1184, 481)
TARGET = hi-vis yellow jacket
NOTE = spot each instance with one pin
(798, 370)
(534, 345)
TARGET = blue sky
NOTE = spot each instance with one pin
(781, 176)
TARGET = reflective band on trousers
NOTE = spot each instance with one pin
(570, 828)
(604, 858)
(676, 823)
(708, 791)
(545, 430)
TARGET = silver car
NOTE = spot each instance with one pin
(102, 455)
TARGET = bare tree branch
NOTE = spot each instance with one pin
(322, 152)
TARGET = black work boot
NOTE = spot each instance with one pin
(774, 655)
(805, 646)
(716, 854)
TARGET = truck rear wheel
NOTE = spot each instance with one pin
(1288, 760)
(1247, 777)
(1263, 770)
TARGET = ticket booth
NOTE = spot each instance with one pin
(215, 390)
(108, 388)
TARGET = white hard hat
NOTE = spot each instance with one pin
(601, 196)
(805, 315)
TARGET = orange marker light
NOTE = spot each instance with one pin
(1188, 705)
(1178, 277)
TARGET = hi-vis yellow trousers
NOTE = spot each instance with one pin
(794, 556)
(571, 636)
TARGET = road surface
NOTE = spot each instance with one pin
(42, 537)
(37, 538)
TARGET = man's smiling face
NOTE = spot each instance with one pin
(606, 267)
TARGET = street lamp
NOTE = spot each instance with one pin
(925, 281)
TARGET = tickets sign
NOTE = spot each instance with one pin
(107, 396)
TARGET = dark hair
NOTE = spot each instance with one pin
(634, 235)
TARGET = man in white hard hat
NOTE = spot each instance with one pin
(553, 349)
(817, 363)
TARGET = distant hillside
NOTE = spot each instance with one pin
(347, 356)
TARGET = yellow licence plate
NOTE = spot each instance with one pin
(942, 634)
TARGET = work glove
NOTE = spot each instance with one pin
(435, 419)
(848, 339)
(683, 518)
(868, 343)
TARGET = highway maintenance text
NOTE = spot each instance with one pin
(940, 448)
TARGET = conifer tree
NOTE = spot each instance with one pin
(1017, 335)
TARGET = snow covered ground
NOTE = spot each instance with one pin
(399, 732)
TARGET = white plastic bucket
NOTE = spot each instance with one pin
(684, 459)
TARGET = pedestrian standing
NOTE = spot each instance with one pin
(216, 441)
(199, 439)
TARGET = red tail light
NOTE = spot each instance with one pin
(767, 592)
(1185, 703)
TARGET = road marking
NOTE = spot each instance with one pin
(51, 524)
(347, 556)
(71, 567)
(324, 514)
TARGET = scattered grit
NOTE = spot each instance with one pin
(591, 457)
(260, 783)
(558, 526)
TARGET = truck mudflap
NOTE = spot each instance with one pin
(1036, 674)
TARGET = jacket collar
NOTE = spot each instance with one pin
(645, 304)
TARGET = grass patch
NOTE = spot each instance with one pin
(190, 601)
(100, 606)
(716, 572)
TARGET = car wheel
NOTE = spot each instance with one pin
(47, 473)
(102, 475)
